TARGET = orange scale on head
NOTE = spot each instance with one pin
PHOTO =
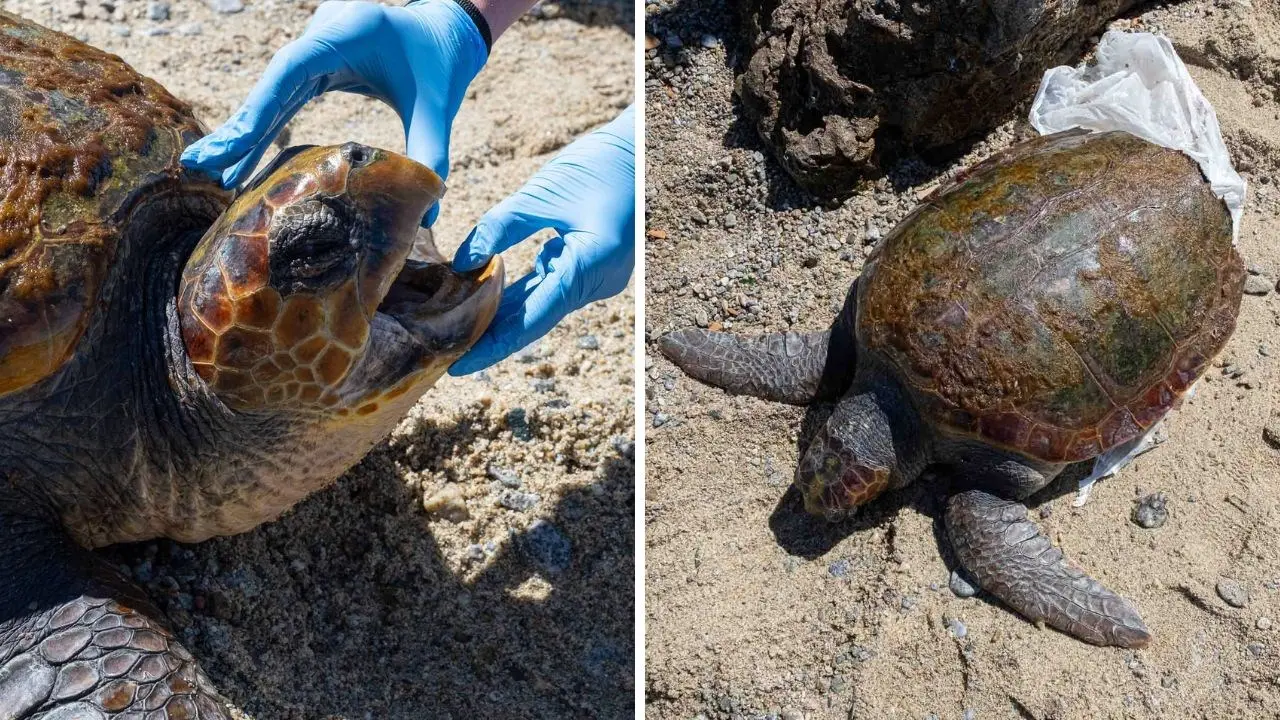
(275, 394)
(241, 349)
(304, 374)
(211, 303)
(291, 389)
(245, 263)
(298, 319)
(199, 341)
(348, 324)
(253, 220)
(206, 372)
(310, 393)
(264, 372)
(367, 409)
(283, 360)
(229, 380)
(332, 366)
(290, 189)
(307, 352)
(258, 310)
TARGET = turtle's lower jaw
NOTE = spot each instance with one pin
(444, 311)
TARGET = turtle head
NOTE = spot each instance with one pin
(303, 296)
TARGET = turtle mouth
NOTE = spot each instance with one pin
(443, 311)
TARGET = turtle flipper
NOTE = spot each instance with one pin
(1010, 558)
(783, 367)
(795, 368)
(79, 641)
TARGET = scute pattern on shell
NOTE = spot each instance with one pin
(1059, 298)
(81, 137)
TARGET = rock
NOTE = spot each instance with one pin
(507, 478)
(835, 88)
(660, 419)
(190, 29)
(730, 220)
(957, 628)
(157, 11)
(121, 30)
(589, 342)
(1151, 512)
(1233, 592)
(961, 586)
(1257, 285)
(547, 546)
(790, 713)
(518, 422)
(225, 6)
(517, 500)
(1264, 623)
(448, 503)
(1271, 433)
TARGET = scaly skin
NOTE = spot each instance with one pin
(1011, 559)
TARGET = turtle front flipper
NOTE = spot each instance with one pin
(79, 641)
(794, 368)
(1010, 558)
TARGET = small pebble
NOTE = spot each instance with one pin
(1264, 623)
(518, 421)
(507, 477)
(1257, 285)
(961, 586)
(970, 715)
(841, 568)
(1271, 433)
(660, 419)
(448, 503)
(957, 628)
(157, 11)
(1151, 512)
(1233, 592)
(225, 6)
(730, 220)
(589, 342)
(517, 500)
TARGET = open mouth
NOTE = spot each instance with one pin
(441, 309)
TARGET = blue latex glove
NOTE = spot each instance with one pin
(587, 195)
(419, 59)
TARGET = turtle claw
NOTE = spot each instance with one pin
(1010, 558)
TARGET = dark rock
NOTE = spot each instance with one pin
(838, 88)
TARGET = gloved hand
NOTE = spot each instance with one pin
(587, 195)
(419, 59)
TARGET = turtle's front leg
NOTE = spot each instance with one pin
(79, 641)
(795, 368)
(1011, 559)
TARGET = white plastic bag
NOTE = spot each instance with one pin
(1138, 84)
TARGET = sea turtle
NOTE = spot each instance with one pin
(1051, 304)
(177, 364)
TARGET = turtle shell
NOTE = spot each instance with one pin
(82, 138)
(1058, 299)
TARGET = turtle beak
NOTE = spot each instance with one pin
(444, 310)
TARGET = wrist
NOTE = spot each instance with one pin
(473, 23)
(502, 14)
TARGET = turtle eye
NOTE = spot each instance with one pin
(313, 247)
(356, 154)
